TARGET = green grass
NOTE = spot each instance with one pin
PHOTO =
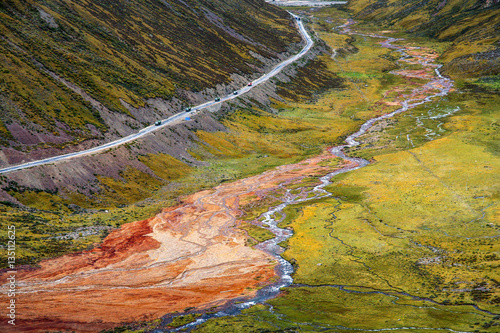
(399, 225)
(421, 219)
(129, 53)
(489, 82)
(183, 320)
(256, 233)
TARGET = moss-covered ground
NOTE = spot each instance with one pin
(256, 140)
(129, 53)
(409, 242)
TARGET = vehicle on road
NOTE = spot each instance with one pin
(188, 109)
(217, 99)
(235, 92)
(158, 123)
(250, 84)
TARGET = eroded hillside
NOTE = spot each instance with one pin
(70, 205)
(77, 74)
(408, 242)
(77, 70)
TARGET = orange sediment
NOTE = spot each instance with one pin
(188, 255)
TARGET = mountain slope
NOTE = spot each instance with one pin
(70, 70)
(471, 26)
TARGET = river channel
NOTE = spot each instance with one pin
(437, 86)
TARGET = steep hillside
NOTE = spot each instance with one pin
(471, 26)
(71, 205)
(75, 70)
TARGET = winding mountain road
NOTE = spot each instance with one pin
(177, 117)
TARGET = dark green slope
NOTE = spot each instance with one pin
(128, 50)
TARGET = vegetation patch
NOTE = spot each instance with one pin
(408, 242)
(183, 320)
(166, 166)
(257, 234)
(470, 27)
(130, 53)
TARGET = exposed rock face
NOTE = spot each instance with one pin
(188, 255)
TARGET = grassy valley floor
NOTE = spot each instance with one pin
(409, 242)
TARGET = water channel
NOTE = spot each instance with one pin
(271, 219)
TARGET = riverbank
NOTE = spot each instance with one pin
(378, 253)
(407, 243)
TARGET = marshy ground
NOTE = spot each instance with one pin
(407, 243)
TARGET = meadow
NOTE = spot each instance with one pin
(407, 243)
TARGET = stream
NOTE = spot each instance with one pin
(275, 215)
